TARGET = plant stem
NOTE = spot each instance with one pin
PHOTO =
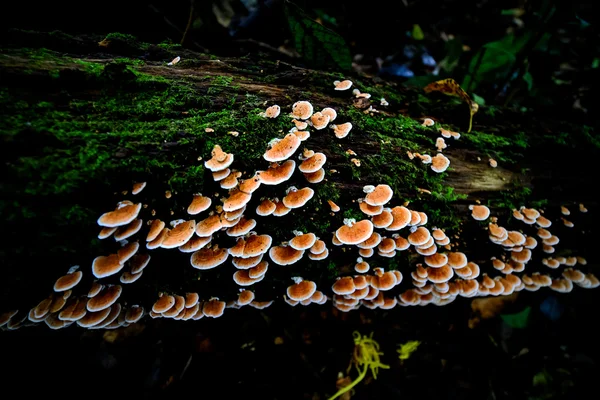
(350, 386)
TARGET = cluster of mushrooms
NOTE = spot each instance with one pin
(438, 273)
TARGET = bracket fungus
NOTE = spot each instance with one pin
(353, 232)
(272, 112)
(296, 198)
(282, 149)
(219, 160)
(341, 130)
(123, 215)
(302, 110)
(342, 85)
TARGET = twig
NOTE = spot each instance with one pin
(189, 23)
(172, 25)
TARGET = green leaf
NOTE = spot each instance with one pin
(318, 45)
(542, 378)
(417, 32)
(528, 80)
(478, 99)
(493, 62)
(518, 320)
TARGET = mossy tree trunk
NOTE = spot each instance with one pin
(83, 118)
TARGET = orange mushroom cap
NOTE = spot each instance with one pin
(179, 235)
(242, 227)
(285, 255)
(128, 230)
(277, 174)
(242, 278)
(236, 200)
(342, 85)
(155, 229)
(379, 195)
(343, 286)
(129, 277)
(440, 275)
(368, 209)
(383, 219)
(302, 109)
(437, 260)
(319, 120)
(213, 308)
(245, 297)
(296, 198)
(318, 247)
(303, 241)
(106, 298)
(341, 130)
(282, 149)
(313, 164)
(259, 270)
(256, 245)
(209, 258)
(104, 266)
(479, 213)
(353, 232)
(106, 232)
(266, 207)
(273, 111)
(208, 226)
(219, 161)
(191, 299)
(439, 163)
(121, 216)
(246, 263)
(68, 281)
(195, 244)
(301, 290)
(75, 310)
(402, 217)
(92, 318)
(419, 237)
(199, 203)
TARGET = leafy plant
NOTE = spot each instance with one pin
(318, 45)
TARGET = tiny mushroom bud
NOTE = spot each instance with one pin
(334, 207)
(428, 122)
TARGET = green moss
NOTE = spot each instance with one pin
(168, 45)
(504, 149)
(125, 37)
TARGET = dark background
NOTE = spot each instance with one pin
(561, 58)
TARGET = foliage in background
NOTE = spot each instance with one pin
(318, 45)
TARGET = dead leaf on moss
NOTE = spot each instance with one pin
(452, 88)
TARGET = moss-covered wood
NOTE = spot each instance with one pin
(83, 118)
